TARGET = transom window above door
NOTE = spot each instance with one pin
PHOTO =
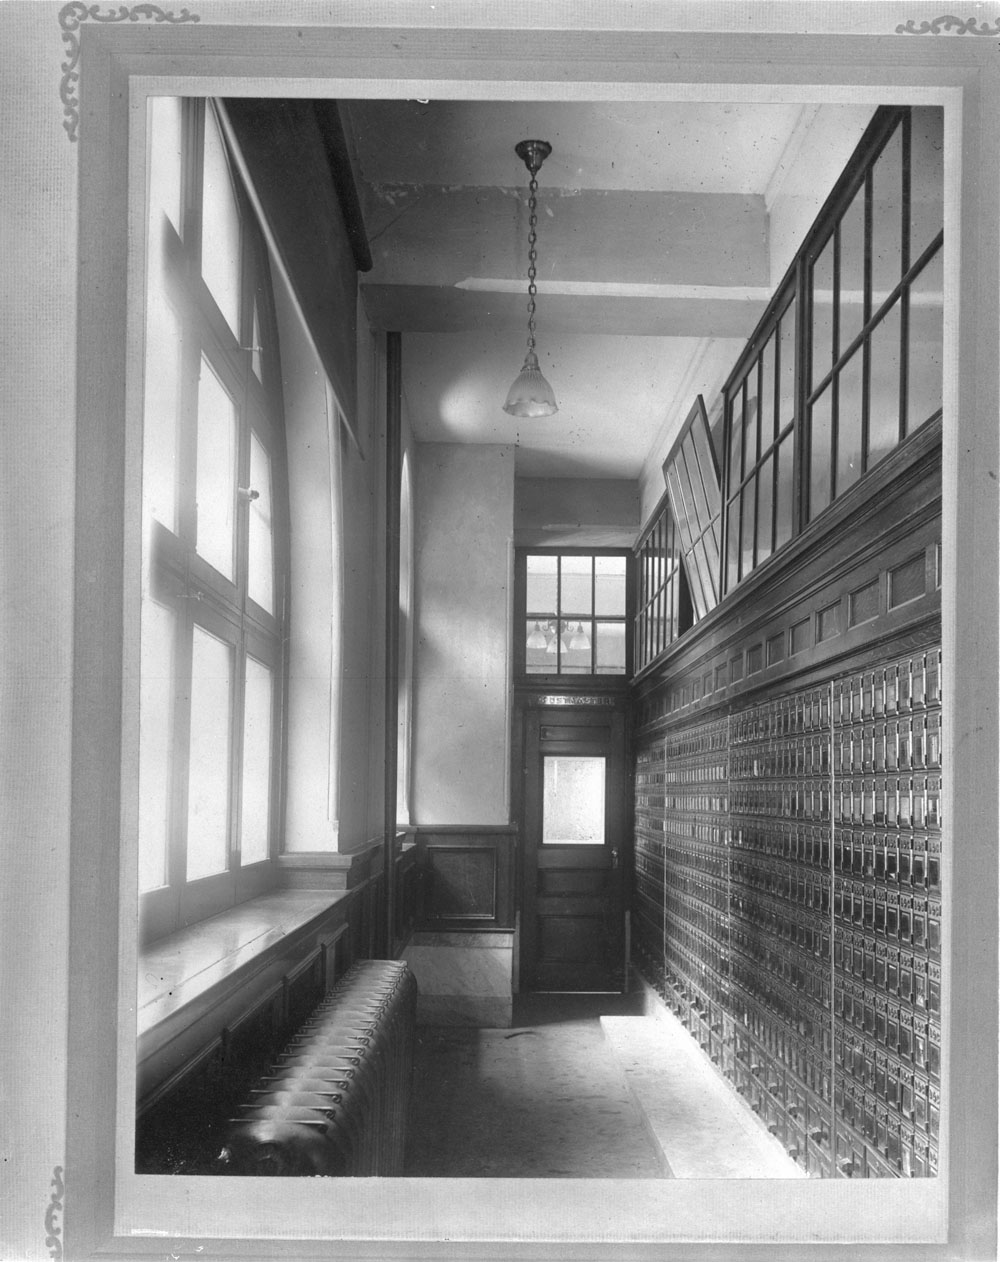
(574, 612)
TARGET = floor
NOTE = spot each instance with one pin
(543, 1099)
(581, 1086)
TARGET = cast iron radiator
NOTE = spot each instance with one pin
(335, 1100)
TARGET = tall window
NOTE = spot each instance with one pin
(214, 545)
(574, 611)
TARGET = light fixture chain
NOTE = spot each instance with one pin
(532, 257)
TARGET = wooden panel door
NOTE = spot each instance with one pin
(575, 818)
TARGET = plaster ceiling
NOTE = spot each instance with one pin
(653, 244)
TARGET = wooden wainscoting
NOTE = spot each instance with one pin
(467, 877)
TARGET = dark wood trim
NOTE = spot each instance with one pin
(393, 472)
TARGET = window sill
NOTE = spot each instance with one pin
(195, 983)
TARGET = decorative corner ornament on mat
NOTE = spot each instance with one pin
(53, 1230)
(70, 18)
(961, 26)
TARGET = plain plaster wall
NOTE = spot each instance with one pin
(464, 523)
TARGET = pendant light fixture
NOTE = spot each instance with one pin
(531, 395)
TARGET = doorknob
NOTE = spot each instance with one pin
(614, 857)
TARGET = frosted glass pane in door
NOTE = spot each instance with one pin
(260, 576)
(257, 729)
(573, 801)
(215, 484)
(208, 769)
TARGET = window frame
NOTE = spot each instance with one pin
(521, 615)
(797, 288)
(196, 593)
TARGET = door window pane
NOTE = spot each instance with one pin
(257, 731)
(260, 575)
(208, 756)
(573, 801)
(883, 401)
(220, 231)
(156, 707)
(215, 485)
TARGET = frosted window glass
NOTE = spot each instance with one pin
(220, 230)
(156, 698)
(215, 485)
(256, 795)
(208, 769)
(573, 801)
(260, 577)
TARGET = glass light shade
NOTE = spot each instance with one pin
(580, 640)
(536, 640)
(531, 395)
